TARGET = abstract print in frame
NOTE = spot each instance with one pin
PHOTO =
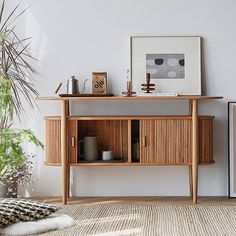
(174, 63)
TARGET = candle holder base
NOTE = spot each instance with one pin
(148, 87)
(129, 94)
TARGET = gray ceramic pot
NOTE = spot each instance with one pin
(8, 190)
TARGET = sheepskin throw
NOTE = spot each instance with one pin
(52, 222)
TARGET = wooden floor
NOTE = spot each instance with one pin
(141, 200)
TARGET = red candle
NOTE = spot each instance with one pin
(148, 78)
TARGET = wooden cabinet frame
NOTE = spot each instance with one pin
(65, 153)
(162, 140)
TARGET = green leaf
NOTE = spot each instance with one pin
(15, 68)
(12, 154)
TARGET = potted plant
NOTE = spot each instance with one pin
(15, 164)
(16, 90)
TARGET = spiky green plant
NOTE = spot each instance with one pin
(16, 89)
(16, 72)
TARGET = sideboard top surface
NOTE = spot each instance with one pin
(135, 98)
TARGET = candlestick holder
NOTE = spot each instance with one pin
(148, 87)
(129, 92)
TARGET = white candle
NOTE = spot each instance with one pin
(128, 75)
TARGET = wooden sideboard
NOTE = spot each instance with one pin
(163, 140)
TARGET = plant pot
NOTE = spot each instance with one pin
(8, 189)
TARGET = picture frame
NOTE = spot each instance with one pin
(99, 82)
(232, 149)
(174, 63)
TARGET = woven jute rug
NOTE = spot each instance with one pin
(143, 219)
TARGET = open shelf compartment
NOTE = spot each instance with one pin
(112, 135)
(135, 141)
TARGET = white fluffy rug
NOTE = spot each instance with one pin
(52, 222)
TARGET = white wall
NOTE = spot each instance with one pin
(81, 36)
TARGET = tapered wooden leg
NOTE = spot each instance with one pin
(195, 147)
(64, 151)
(68, 182)
(190, 181)
(68, 167)
(129, 142)
(190, 107)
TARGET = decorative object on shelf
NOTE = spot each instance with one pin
(90, 147)
(232, 148)
(73, 88)
(99, 82)
(58, 88)
(84, 86)
(173, 62)
(129, 92)
(72, 85)
(148, 86)
(107, 155)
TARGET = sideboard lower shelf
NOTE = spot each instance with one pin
(130, 164)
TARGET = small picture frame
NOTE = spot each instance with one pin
(99, 82)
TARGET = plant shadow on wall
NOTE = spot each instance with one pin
(16, 89)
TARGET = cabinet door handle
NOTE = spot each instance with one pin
(144, 142)
(72, 141)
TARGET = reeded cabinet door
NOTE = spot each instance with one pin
(169, 140)
(53, 141)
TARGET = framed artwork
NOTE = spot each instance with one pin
(232, 148)
(174, 63)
